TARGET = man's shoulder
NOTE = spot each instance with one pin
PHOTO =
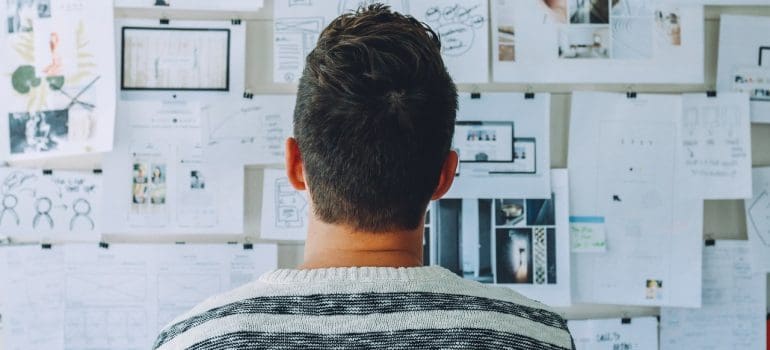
(449, 310)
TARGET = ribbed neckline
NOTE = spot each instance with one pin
(357, 274)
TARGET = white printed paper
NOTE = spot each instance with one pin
(248, 131)
(32, 297)
(734, 302)
(758, 219)
(715, 146)
(528, 175)
(462, 25)
(623, 167)
(639, 333)
(58, 76)
(624, 41)
(50, 205)
(186, 60)
(201, 5)
(116, 298)
(159, 180)
(744, 61)
(285, 211)
(520, 242)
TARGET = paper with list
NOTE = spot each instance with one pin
(733, 311)
(758, 219)
(623, 168)
(85, 297)
(613, 334)
(716, 145)
(285, 211)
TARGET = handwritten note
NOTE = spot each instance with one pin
(587, 234)
(716, 145)
(615, 334)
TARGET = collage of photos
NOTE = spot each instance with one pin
(598, 29)
(502, 241)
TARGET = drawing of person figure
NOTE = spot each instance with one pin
(158, 177)
(56, 65)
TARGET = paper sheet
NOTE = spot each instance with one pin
(248, 131)
(758, 219)
(32, 297)
(623, 167)
(58, 75)
(522, 242)
(116, 298)
(219, 5)
(50, 205)
(744, 61)
(529, 173)
(640, 333)
(208, 66)
(285, 211)
(589, 42)
(733, 311)
(159, 181)
(463, 26)
(715, 146)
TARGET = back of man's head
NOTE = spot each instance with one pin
(374, 120)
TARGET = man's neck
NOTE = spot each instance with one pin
(329, 245)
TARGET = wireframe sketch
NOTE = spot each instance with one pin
(294, 39)
(34, 202)
(457, 25)
(290, 206)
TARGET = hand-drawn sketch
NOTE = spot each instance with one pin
(248, 131)
(294, 39)
(285, 211)
(462, 27)
(290, 206)
(49, 204)
(56, 100)
(715, 145)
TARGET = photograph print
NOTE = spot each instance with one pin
(589, 11)
(38, 131)
(514, 255)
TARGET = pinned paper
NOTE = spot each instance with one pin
(587, 234)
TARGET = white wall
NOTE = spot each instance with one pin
(722, 219)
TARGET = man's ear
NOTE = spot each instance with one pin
(294, 168)
(447, 177)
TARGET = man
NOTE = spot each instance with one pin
(373, 128)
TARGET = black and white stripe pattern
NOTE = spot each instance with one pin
(454, 338)
(360, 304)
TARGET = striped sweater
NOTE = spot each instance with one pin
(367, 308)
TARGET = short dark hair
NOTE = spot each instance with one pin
(374, 119)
